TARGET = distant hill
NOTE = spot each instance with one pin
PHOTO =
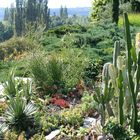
(84, 11)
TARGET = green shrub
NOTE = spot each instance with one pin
(9, 135)
(58, 71)
(6, 32)
(14, 47)
(62, 30)
(49, 123)
(74, 64)
(72, 117)
(47, 72)
(38, 137)
(7, 66)
(118, 131)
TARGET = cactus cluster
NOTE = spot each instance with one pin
(121, 78)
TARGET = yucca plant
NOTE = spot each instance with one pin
(3, 129)
(10, 85)
(19, 115)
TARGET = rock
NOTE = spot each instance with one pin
(1, 89)
(2, 100)
(52, 135)
(101, 137)
(88, 122)
(2, 119)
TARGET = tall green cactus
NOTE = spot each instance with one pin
(104, 93)
(129, 71)
(123, 77)
(121, 97)
(116, 52)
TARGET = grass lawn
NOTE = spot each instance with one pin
(134, 19)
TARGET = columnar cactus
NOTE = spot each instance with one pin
(134, 85)
(116, 52)
(123, 78)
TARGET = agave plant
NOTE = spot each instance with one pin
(10, 85)
(19, 115)
(3, 129)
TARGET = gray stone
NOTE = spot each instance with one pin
(1, 89)
(101, 137)
(88, 122)
(52, 135)
(2, 119)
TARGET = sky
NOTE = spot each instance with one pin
(55, 3)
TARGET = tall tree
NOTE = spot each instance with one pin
(19, 17)
(61, 11)
(31, 14)
(12, 14)
(135, 5)
(6, 14)
(65, 12)
(115, 11)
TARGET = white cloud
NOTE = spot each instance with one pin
(69, 3)
(55, 3)
(6, 3)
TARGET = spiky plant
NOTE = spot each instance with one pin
(10, 85)
(19, 115)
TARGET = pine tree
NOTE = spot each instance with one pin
(6, 14)
(12, 14)
(46, 14)
(65, 12)
(18, 18)
(31, 13)
(115, 11)
(61, 11)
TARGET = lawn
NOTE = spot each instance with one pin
(134, 19)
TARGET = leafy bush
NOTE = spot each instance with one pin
(10, 135)
(49, 122)
(93, 69)
(125, 8)
(117, 130)
(38, 137)
(74, 64)
(99, 6)
(47, 73)
(6, 32)
(15, 46)
(20, 65)
(58, 71)
(19, 115)
(73, 117)
(62, 30)
(88, 104)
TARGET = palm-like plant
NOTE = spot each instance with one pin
(19, 115)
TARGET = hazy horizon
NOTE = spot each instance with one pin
(56, 3)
